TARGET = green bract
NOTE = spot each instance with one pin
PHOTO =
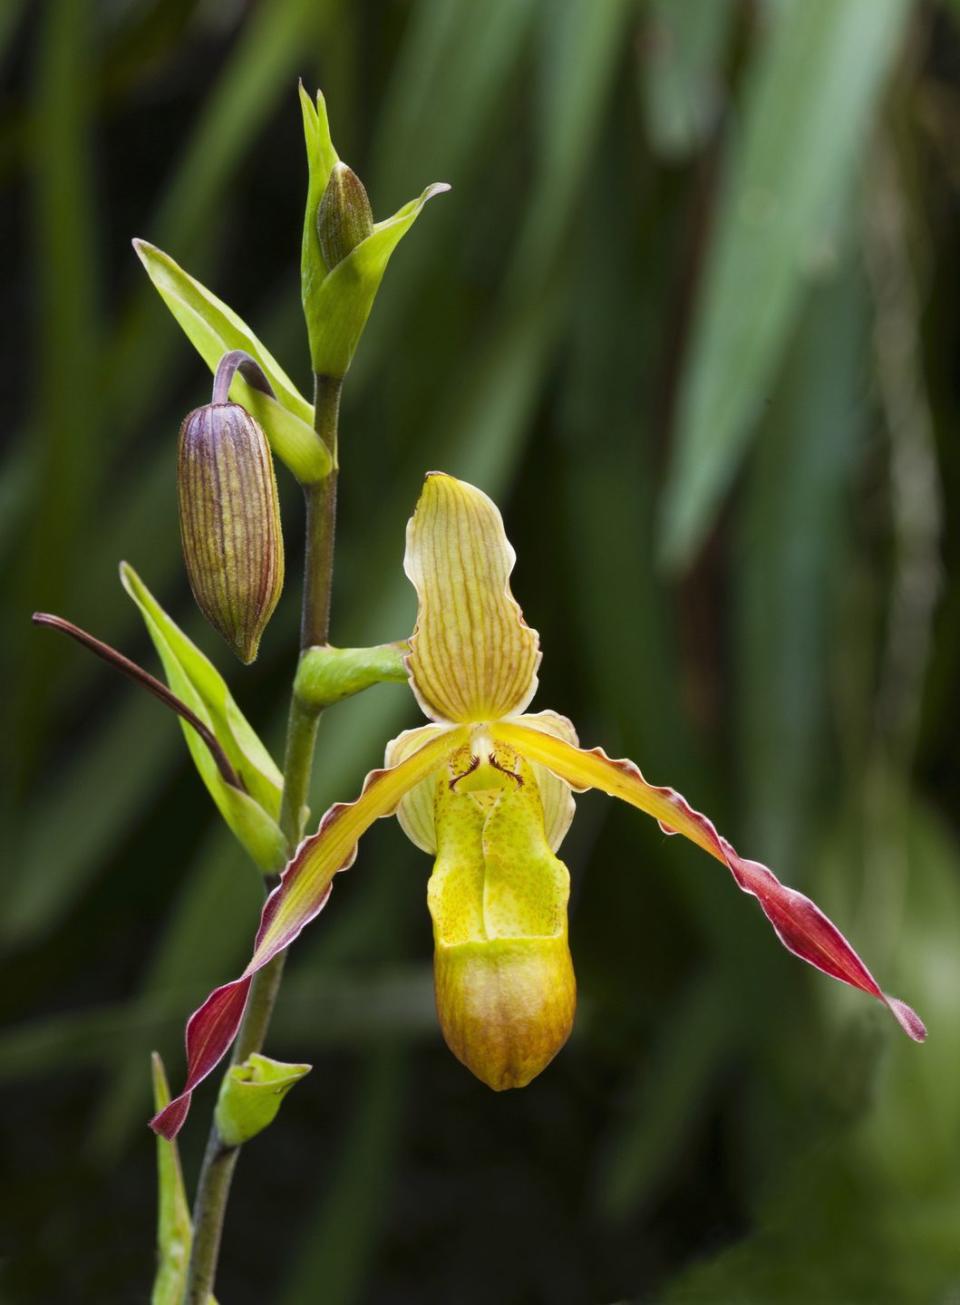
(327, 675)
(214, 329)
(251, 815)
(250, 1096)
(337, 301)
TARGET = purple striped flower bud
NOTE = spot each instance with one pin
(230, 522)
(344, 217)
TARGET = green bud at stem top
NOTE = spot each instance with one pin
(230, 522)
(344, 216)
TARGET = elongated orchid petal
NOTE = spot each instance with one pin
(798, 922)
(472, 657)
(301, 895)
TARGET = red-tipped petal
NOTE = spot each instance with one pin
(210, 1031)
(301, 895)
(799, 923)
(804, 930)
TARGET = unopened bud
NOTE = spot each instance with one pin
(344, 215)
(230, 522)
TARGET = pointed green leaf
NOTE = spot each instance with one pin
(214, 329)
(252, 815)
(250, 1096)
(337, 302)
(338, 307)
(321, 157)
(240, 741)
(809, 107)
(174, 1228)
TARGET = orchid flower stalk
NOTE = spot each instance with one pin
(487, 789)
(233, 551)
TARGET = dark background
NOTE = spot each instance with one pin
(690, 315)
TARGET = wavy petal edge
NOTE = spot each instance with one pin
(472, 655)
(797, 921)
(303, 892)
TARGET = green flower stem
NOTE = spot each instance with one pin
(302, 727)
(321, 511)
(321, 519)
(220, 1159)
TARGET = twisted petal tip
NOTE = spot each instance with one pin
(168, 1122)
(907, 1018)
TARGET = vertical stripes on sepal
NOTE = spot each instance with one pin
(473, 657)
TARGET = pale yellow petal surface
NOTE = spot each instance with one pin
(555, 794)
(472, 656)
(416, 810)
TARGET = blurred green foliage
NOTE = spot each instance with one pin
(690, 314)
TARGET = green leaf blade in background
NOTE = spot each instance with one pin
(213, 328)
(790, 535)
(341, 1229)
(65, 446)
(580, 47)
(806, 122)
(681, 72)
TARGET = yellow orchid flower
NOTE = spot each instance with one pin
(487, 789)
